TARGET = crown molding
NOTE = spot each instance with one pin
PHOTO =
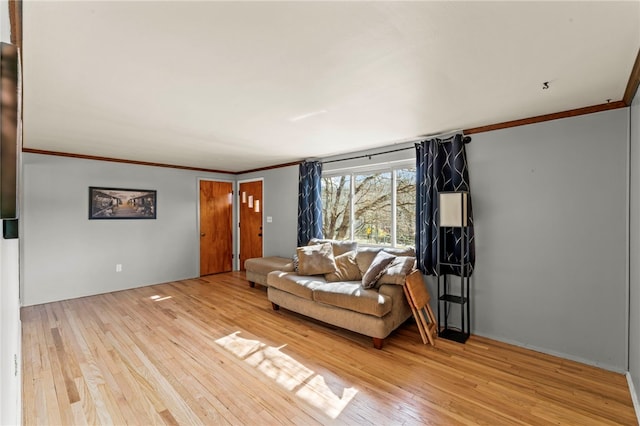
(547, 117)
(119, 160)
(633, 83)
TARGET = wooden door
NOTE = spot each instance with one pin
(216, 221)
(250, 213)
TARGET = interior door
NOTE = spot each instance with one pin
(216, 221)
(250, 214)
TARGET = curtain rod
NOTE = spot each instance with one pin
(465, 139)
(368, 155)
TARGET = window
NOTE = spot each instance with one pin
(376, 207)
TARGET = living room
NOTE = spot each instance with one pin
(556, 216)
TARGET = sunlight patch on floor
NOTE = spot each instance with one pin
(289, 373)
(157, 298)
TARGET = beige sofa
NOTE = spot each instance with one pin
(346, 303)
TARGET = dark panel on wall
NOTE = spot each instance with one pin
(9, 134)
(10, 229)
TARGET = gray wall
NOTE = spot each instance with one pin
(280, 189)
(550, 212)
(634, 247)
(550, 208)
(65, 255)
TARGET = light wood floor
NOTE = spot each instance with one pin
(212, 351)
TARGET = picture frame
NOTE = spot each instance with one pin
(121, 203)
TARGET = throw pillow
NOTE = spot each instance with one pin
(398, 270)
(316, 260)
(378, 267)
(365, 257)
(346, 268)
(401, 251)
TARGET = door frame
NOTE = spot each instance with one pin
(234, 249)
(236, 203)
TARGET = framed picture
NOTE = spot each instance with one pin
(118, 203)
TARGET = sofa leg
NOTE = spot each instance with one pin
(252, 284)
(275, 307)
(378, 342)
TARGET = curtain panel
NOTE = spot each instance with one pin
(309, 202)
(441, 165)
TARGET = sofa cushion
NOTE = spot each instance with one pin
(398, 270)
(339, 247)
(316, 259)
(378, 266)
(346, 268)
(351, 296)
(295, 284)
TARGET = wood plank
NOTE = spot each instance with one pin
(194, 355)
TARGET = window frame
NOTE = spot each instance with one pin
(392, 167)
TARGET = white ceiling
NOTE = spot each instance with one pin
(240, 85)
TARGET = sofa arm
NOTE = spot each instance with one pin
(394, 291)
(400, 308)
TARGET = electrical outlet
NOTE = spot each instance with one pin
(269, 219)
(119, 267)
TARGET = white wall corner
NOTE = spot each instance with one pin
(5, 22)
(634, 396)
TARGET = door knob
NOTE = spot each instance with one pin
(202, 234)
(260, 235)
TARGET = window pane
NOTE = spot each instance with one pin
(372, 204)
(336, 208)
(406, 207)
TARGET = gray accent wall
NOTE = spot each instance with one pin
(65, 255)
(634, 247)
(551, 237)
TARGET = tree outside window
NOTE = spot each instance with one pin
(336, 207)
(406, 207)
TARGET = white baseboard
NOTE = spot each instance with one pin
(585, 361)
(634, 396)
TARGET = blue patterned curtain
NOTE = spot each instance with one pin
(309, 202)
(441, 165)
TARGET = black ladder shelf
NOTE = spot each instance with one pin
(445, 301)
(450, 296)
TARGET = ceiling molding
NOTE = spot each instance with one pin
(634, 81)
(119, 160)
(548, 117)
(146, 163)
(491, 127)
(15, 19)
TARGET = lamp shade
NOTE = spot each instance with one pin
(453, 208)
